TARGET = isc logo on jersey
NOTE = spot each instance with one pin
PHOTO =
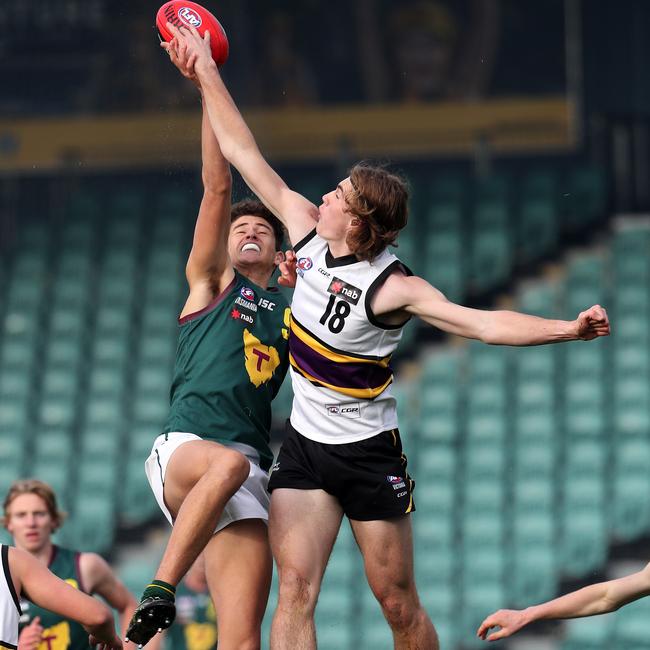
(190, 17)
(343, 290)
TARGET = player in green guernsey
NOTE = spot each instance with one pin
(196, 621)
(22, 574)
(31, 516)
(208, 469)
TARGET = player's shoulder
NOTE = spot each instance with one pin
(92, 568)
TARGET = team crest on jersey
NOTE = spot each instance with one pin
(304, 264)
(247, 293)
(261, 360)
(343, 290)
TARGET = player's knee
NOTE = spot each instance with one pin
(230, 467)
(399, 606)
(296, 591)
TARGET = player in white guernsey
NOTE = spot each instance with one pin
(24, 574)
(342, 454)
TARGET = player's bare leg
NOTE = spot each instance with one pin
(238, 567)
(303, 525)
(387, 549)
(201, 477)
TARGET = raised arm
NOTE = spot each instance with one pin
(188, 51)
(52, 593)
(208, 269)
(592, 600)
(414, 296)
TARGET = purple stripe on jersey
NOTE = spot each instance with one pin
(343, 375)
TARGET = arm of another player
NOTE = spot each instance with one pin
(415, 296)
(52, 593)
(190, 51)
(98, 578)
(595, 599)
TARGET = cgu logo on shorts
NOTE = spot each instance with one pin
(190, 17)
(351, 410)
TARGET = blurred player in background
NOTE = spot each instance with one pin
(209, 469)
(196, 623)
(600, 598)
(31, 516)
(23, 573)
(342, 453)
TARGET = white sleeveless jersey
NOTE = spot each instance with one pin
(339, 352)
(9, 605)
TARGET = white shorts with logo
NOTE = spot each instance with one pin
(251, 501)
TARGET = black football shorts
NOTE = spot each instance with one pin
(368, 477)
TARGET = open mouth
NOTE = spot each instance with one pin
(251, 247)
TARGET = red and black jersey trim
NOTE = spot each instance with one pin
(10, 582)
(209, 307)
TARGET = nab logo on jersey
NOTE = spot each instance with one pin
(343, 290)
(247, 293)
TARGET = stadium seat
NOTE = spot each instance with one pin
(631, 505)
(630, 625)
(586, 197)
(593, 633)
(534, 493)
(537, 228)
(532, 574)
(583, 545)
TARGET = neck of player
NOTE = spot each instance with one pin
(260, 277)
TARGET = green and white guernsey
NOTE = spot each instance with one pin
(231, 359)
(195, 627)
(59, 633)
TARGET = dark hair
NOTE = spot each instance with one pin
(379, 199)
(39, 488)
(255, 208)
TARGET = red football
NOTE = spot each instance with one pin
(190, 14)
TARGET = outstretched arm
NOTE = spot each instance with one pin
(592, 600)
(190, 52)
(209, 269)
(52, 593)
(415, 296)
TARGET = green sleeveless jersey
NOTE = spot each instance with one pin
(58, 633)
(231, 360)
(195, 627)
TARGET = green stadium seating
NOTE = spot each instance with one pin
(585, 199)
(630, 625)
(583, 544)
(593, 633)
(533, 574)
(537, 230)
